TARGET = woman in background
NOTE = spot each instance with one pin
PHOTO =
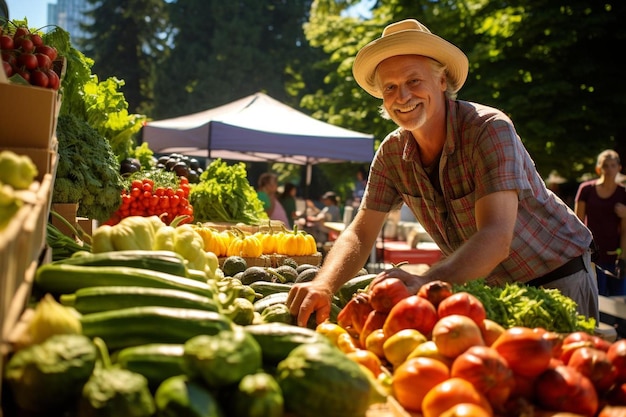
(267, 191)
(597, 204)
(288, 199)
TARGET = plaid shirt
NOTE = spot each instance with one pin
(482, 154)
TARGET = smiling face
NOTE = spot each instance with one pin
(413, 90)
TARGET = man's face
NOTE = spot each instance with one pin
(412, 91)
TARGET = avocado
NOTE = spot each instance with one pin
(253, 274)
(307, 275)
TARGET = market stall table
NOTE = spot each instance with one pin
(393, 251)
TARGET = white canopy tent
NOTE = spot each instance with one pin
(258, 128)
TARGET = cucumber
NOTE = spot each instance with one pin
(349, 288)
(94, 299)
(143, 325)
(277, 340)
(266, 288)
(65, 278)
(162, 261)
(276, 298)
(155, 361)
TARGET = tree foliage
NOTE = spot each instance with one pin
(549, 65)
(222, 51)
(126, 41)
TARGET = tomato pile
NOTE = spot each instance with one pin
(25, 54)
(439, 354)
(143, 198)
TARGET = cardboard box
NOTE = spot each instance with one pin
(28, 116)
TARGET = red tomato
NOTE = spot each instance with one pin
(455, 334)
(595, 365)
(617, 356)
(360, 311)
(413, 379)
(413, 312)
(525, 350)
(465, 304)
(450, 393)
(488, 371)
(573, 341)
(435, 291)
(565, 389)
(387, 293)
(490, 331)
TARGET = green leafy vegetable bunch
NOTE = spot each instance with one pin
(521, 305)
(224, 194)
(87, 172)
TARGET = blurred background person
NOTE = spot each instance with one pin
(316, 217)
(288, 200)
(267, 190)
(596, 205)
(359, 187)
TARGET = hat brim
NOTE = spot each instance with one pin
(409, 42)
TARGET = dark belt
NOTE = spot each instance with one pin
(570, 267)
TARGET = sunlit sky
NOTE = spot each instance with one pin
(36, 11)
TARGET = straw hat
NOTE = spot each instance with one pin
(408, 37)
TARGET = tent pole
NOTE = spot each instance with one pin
(209, 143)
(309, 175)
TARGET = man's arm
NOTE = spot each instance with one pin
(352, 248)
(348, 254)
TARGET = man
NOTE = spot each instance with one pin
(465, 174)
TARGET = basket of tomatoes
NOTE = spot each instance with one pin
(155, 193)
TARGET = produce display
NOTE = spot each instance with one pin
(154, 193)
(223, 340)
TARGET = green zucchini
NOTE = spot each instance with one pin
(277, 340)
(143, 325)
(155, 361)
(163, 261)
(65, 278)
(266, 288)
(268, 300)
(109, 297)
(197, 275)
(349, 288)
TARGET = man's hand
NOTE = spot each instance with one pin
(620, 268)
(412, 282)
(309, 298)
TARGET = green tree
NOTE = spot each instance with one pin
(549, 65)
(221, 51)
(125, 41)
